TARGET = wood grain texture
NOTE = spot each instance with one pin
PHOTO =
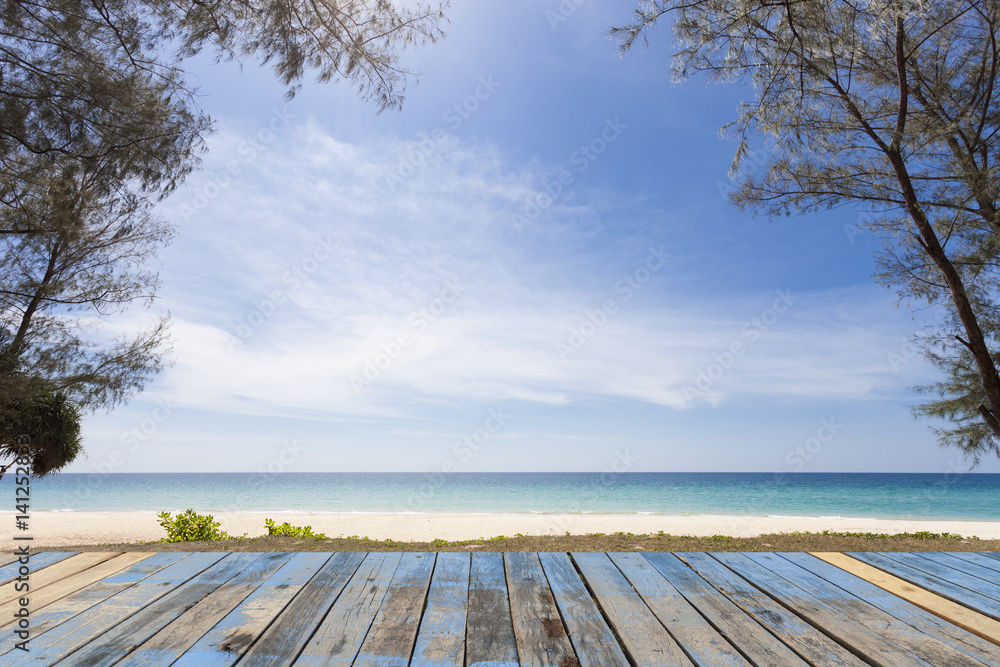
(811, 644)
(902, 634)
(957, 614)
(52, 574)
(288, 634)
(441, 638)
(739, 628)
(226, 643)
(952, 591)
(868, 644)
(593, 641)
(489, 634)
(392, 634)
(899, 608)
(640, 630)
(538, 628)
(50, 647)
(41, 597)
(117, 642)
(167, 645)
(938, 565)
(82, 600)
(339, 637)
(36, 562)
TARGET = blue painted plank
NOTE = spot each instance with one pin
(981, 560)
(592, 639)
(343, 631)
(490, 635)
(394, 630)
(82, 600)
(953, 592)
(742, 630)
(51, 646)
(811, 644)
(167, 645)
(821, 611)
(924, 621)
(944, 566)
(538, 628)
(441, 638)
(282, 642)
(904, 635)
(226, 643)
(117, 642)
(36, 562)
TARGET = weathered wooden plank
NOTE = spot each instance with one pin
(640, 630)
(49, 647)
(811, 644)
(592, 639)
(490, 633)
(970, 575)
(960, 615)
(952, 591)
(46, 595)
(55, 572)
(85, 598)
(441, 639)
(392, 633)
(904, 635)
(339, 637)
(35, 564)
(981, 560)
(226, 643)
(283, 640)
(742, 630)
(538, 629)
(925, 622)
(937, 567)
(169, 643)
(117, 642)
(871, 646)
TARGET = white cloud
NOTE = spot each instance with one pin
(307, 268)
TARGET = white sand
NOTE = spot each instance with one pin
(54, 529)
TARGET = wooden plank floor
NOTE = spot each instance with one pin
(503, 610)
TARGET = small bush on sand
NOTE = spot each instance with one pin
(191, 527)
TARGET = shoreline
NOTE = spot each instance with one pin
(73, 528)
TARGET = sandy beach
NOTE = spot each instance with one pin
(60, 529)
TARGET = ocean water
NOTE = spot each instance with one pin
(965, 496)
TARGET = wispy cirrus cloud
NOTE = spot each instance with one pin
(323, 291)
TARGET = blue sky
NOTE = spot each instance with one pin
(531, 267)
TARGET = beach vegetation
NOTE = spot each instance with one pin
(292, 531)
(888, 109)
(189, 526)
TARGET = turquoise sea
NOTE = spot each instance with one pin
(851, 495)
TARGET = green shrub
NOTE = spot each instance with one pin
(191, 527)
(292, 531)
